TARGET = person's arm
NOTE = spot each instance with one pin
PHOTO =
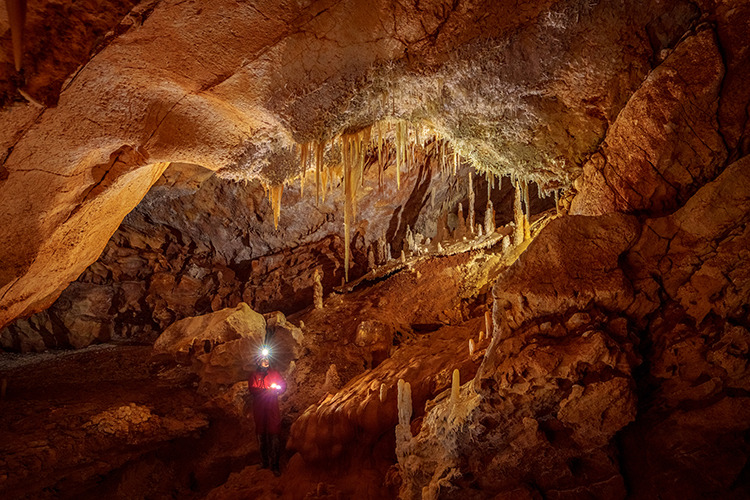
(280, 382)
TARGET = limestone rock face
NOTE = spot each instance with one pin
(665, 143)
(573, 263)
(700, 253)
(698, 368)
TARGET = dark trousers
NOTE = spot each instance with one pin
(269, 450)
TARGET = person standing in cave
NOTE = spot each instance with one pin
(265, 384)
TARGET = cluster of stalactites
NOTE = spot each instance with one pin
(347, 156)
(357, 150)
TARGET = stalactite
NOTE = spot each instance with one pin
(276, 203)
(16, 18)
(320, 149)
(348, 145)
(470, 216)
(380, 155)
(399, 141)
(488, 323)
(304, 159)
(557, 203)
(471, 347)
(324, 176)
(527, 213)
(383, 392)
(455, 387)
(517, 216)
(318, 288)
(489, 218)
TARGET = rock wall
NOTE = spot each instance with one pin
(619, 364)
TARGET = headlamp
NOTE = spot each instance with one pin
(265, 352)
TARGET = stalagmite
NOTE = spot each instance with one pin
(471, 347)
(318, 288)
(470, 216)
(481, 336)
(479, 230)
(461, 227)
(383, 392)
(455, 387)
(506, 242)
(332, 381)
(389, 252)
(371, 258)
(403, 257)
(489, 219)
(518, 216)
(276, 203)
(410, 239)
(439, 247)
(488, 323)
(527, 213)
(404, 403)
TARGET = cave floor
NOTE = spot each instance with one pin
(73, 416)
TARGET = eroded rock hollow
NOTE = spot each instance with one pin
(496, 250)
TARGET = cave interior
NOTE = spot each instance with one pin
(496, 249)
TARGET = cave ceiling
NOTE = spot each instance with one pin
(526, 89)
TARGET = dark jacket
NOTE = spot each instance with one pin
(265, 400)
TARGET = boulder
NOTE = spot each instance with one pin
(222, 347)
(202, 333)
(85, 311)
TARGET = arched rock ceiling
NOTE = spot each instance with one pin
(519, 87)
